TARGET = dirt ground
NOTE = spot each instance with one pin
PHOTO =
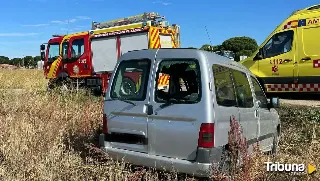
(312, 100)
(312, 103)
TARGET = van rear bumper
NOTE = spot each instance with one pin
(182, 166)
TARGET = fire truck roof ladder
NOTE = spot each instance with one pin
(128, 20)
(55, 35)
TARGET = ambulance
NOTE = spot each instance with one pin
(289, 59)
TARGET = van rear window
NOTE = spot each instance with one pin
(178, 81)
(131, 79)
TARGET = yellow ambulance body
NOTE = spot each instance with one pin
(289, 59)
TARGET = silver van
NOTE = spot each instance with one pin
(185, 124)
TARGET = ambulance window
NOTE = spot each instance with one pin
(131, 80)
(178, 81)
(243, 89)
(225, 93)
(259, 93)
(278, 44)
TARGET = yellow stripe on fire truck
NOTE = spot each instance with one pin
(154, 38)
(54, 67)
(163, 80)
(292, 87)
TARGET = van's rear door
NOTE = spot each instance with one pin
(124, 105)
(179, 110)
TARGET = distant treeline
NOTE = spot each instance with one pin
(27, 61)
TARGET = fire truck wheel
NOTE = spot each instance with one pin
(128, 87)
(65, 84)
(50, 85)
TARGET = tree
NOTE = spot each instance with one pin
(28, 61)
(4, 60)
(16, 61)
(36, 59)
(214, 48)
(240, 46)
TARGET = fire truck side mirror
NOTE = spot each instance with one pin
(42, 47)
(42, 54)
(42, 51)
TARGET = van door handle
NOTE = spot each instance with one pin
(306, 59)
(148, 109)
(256, 113)
(287, 60)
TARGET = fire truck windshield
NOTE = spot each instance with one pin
(53, 52)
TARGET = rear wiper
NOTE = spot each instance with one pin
(168, 102)
(123, 100)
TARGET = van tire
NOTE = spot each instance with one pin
(275, 144)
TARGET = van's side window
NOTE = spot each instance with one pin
(131, 80)
(225, 93)
(178, 81)
(243, 89)
(259, 93)
(278, 44)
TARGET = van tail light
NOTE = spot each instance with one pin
(105, 124)
(206, 135)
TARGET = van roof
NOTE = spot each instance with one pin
(211, 58)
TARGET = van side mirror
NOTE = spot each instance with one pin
(274, 102)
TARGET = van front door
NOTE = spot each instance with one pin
(266, 129)
(308, 57)
(277, 68)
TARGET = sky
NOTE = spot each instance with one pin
(28, 23)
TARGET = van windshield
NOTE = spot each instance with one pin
(178, 81)
(131, 79)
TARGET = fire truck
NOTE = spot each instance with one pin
(87, 59)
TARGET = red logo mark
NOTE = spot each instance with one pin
(274, 68)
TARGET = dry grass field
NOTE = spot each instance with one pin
(54, 137)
